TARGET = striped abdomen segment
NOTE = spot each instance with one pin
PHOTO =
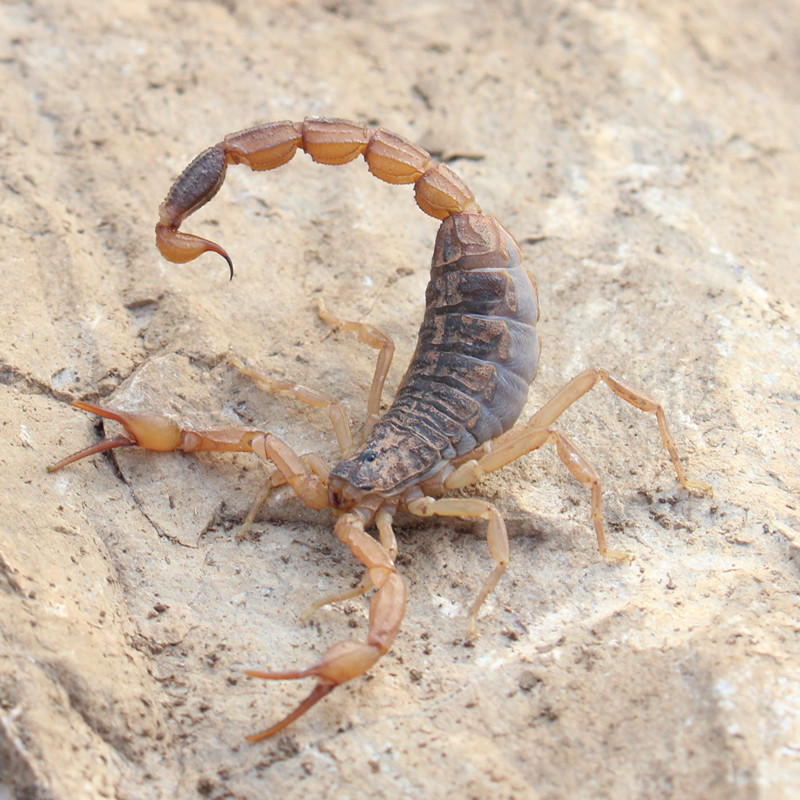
(477, 351)
(476, 356)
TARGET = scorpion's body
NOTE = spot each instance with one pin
(476, 356)
(453, 416)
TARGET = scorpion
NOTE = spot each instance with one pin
(453, 417)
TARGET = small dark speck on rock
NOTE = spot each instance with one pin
(528, 680)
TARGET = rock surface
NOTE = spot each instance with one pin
(646, 156)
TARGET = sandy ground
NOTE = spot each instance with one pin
(646, 156)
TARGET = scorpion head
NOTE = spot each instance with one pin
(391, 460)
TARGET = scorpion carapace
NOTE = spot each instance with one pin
(453, 416)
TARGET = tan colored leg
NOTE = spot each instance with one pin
(369, 335)
(376, 338)
(255, 507)
(536, 432)
(311, 397)
(361, 588)
(532, 434)
(524, 441)
(582, 383)
(496, 537)
(383, 522)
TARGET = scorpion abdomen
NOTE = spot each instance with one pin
(477, 345)
(476, 355)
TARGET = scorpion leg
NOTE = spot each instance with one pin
(275, 479)
(361, 588)
(347, 660)
(517, 443)
(376, 338)
(311, 397)
(583, 382)
(496, 537)
(532, 434)
(536, 432)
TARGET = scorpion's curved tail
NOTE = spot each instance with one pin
(438, 190)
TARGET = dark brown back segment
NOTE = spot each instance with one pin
(477, 354)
